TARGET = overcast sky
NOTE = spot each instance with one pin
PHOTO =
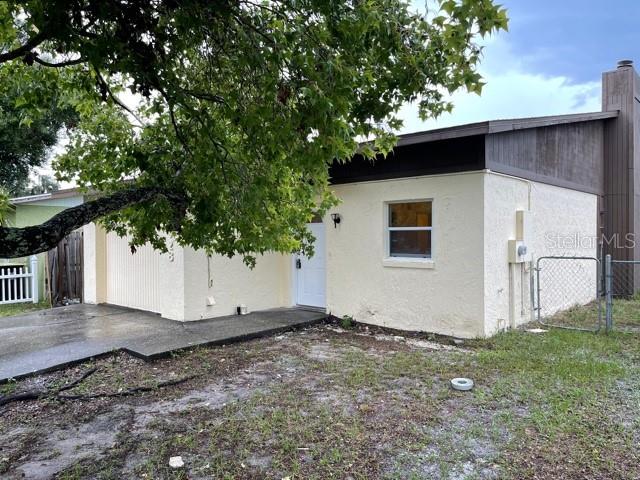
(549, 62)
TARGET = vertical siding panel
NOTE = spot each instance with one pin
(619, 92)
(564, 155)
(133, 280)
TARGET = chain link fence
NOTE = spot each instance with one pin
(583, 293)
(622, 300)
(568, 292)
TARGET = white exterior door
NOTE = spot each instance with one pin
(311, 272)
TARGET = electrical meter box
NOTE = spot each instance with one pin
(518, 252)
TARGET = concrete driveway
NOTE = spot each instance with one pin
(48, 339)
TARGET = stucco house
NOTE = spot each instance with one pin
(439, 236)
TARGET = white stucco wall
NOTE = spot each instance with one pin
(229, 282)
(94, 264)
(446, 297)
(463, 291)
(467, 292)
(556, 213)
(172, 283)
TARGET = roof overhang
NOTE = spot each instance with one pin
(65, 193)
(498, 126)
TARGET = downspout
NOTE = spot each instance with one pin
(209, 276)
(512, 299)
(522, 276)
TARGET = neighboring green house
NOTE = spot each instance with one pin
(36, 209)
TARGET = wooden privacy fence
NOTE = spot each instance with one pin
(19, 283)
(64, 265)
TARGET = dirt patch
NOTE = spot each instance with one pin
(333, 403)
(63, 447)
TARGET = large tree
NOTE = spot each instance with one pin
(238, 107)
(26, 139)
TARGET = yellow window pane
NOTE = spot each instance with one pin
(410, 214)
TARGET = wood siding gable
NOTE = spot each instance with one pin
(566, 155)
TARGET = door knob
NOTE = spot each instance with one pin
(298, 263)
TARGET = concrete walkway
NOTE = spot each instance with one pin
(48, 339)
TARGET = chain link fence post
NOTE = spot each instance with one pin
(538, 309)
(608, 282)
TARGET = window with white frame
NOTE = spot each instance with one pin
(409, 229)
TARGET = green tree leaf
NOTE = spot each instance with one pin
(234, 110)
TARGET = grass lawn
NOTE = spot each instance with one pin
(626, 315)
(20, 308)
(327, 403)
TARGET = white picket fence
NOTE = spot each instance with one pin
(19, 284)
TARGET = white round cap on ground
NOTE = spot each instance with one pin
(462, 384)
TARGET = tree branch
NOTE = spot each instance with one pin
(66, 63)
(23, 49)
(21, 242)
(128, 392)
(58, 395)
(115, 98)
(41, 393)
